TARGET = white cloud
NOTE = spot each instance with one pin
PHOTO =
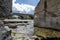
(23, 8)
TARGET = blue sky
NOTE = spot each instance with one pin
(30, 2)
(24, 6)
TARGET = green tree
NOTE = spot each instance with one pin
(19, 17)
(13, 17)
(28, 17)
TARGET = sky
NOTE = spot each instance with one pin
(29, 2)
(24, 6)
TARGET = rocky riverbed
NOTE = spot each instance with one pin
(4, 33)
(23, 32)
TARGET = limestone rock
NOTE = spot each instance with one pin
(47, 14)
(5, 8)
(4, 34)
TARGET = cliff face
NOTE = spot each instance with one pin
(5, 8)
(47, 14)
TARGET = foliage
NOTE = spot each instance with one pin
(28, 17)
(20, 17)
(13, 18)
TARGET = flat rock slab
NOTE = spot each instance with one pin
(46, 32)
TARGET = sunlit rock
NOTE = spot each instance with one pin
(47, 14)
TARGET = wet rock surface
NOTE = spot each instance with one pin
(23, 31)
(46, 32)
(4, 34)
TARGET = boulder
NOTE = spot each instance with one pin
(4, 34)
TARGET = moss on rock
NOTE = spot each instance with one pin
(46, 32)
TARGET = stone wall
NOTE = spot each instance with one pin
(5, 8)
(48, 17)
